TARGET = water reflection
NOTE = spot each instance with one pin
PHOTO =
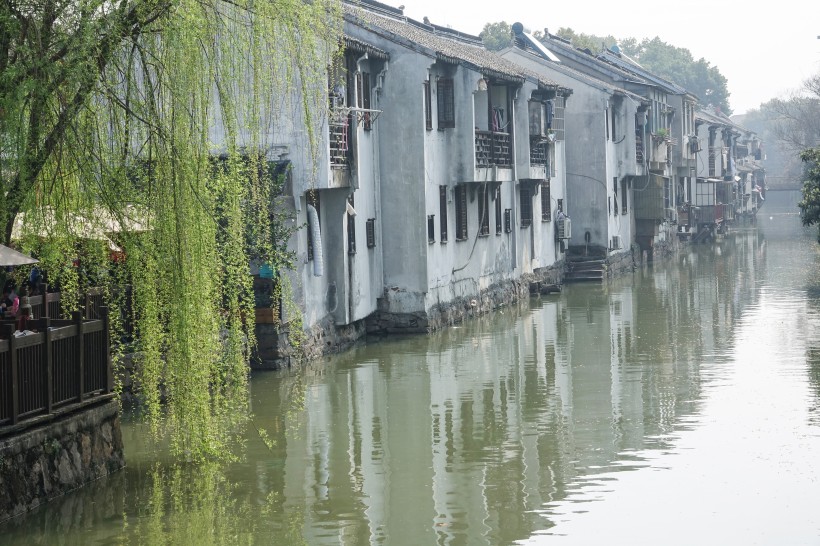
(492, 432)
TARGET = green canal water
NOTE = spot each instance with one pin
(680, 405)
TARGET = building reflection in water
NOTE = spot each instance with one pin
(466, 435)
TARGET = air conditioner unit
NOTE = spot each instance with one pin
(616, 243)
(564, 228)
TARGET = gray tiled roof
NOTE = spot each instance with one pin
(446, 44)
(358, 45)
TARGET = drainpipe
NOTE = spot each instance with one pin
(316, 234)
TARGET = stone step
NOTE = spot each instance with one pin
(587, 266)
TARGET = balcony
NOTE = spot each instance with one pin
(493, 149)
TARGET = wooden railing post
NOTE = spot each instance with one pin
(43, 326)
(109, 373)
(15, 387)
(77, 317)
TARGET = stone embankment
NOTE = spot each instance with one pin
(50, 460)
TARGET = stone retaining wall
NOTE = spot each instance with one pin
(623, 262)
(50, 460)
(500, 294)
(274, 350)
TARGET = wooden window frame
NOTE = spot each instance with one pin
(446, 104)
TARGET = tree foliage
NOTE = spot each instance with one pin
(677, 65)
(810, 204)
(161, 114)
(589, 42)
(496, 36)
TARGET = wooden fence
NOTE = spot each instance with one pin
(60, 365)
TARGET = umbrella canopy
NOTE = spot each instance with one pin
(9, 256)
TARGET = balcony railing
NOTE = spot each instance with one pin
(493, 149)
(639, 147)
(53, 367)
(539, 152)
(713, 152)
(339, 141)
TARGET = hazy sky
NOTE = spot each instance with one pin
(763, 52)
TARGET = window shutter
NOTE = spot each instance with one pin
(498, 211)
(442, 193)
(461, 212)
(546, 212)
(370, 229)
(428, 106)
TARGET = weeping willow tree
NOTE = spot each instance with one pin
(147, 127)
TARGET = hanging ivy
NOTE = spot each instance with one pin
(145, 129)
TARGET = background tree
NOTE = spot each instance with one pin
(810, 204)
(162, 114)
(677, 65)
(496, 36)
(587, 41)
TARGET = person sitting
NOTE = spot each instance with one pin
(10, 302)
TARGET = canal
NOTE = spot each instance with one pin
(679, 405)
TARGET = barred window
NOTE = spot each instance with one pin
(431, 228)
(557, 118)
(508, 220)
(445, 98)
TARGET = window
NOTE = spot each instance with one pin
(428, 106)
(557, 117)
(623, 197)
(370, 228)
(461, 212)
(442, 199)
(612, 114)
(312, 198)
(546, 208)
(484, 210)
(351, 230)
(606, 122)
(431, 228)
(445, 98)
(498, 211)
(526, 207)
(615, 194)
(368, 121)
(507, 220)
